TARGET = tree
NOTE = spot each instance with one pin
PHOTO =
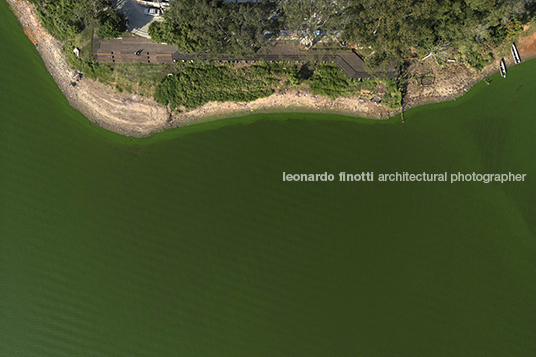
(64, 19)
(399, 28)
(216, 26)
(111, 24)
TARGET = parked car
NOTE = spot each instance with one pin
(153, 11)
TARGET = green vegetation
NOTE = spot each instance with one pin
(329, 80)
(384, 31)
(312, 20)
(84, 41)
(64, 19)
(393, 29)
(397, 29)
(139, 78)
(88, 67)
(194, 84)
(216, 27)
(393, 97)
(110, 24)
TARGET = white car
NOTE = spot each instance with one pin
(153, 11)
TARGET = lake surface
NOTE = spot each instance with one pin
(190, 244)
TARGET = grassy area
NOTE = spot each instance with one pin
(84, 41)
(329, 80)
(503, 50)
(194, 84)
(100, 71)
(139, 78)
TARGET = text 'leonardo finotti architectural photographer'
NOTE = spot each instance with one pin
(407, 177)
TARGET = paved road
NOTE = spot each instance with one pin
(137, 21)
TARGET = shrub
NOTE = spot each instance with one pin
(89, 68)
(329, 80)
(195, 84)
(111, 24)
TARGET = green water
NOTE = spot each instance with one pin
(189, 243)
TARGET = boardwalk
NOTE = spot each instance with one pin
(123, 50)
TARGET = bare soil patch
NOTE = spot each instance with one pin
(428, 83)
(452, 80)
(527, 46)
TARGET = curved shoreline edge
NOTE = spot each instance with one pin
(139, 117)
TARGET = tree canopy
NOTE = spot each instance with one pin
(392, 29)
(66, 18)
(404, 28)
(384, 30)
(216, 26)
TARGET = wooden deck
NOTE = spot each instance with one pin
(123, 50)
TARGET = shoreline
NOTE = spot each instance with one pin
(137, 116)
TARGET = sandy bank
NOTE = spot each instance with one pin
(139, 116)
(122, 113)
